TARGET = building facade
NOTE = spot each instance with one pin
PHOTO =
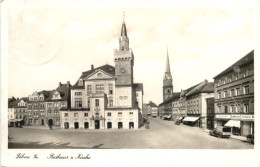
(197, 104)
(59, 98)
(107, 97)
(20, 111)
(36, 108)
(12, 103)
(234, 96)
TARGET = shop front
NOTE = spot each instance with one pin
(191, 121)
(247, 125)
(221, 120)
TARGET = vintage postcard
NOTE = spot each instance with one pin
(109, 83)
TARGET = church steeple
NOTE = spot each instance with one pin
(167, 67)
(167, 80)
(123, 40)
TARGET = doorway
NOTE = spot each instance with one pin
(86, 125)
(66, 125)
(42, 121)
(109, 125)
(131, 125)
(76, 125)
(50, 122)
(97, 124)
(120, 125)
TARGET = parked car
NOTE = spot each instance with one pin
(167, 117)
(250, 139)
(221, 132)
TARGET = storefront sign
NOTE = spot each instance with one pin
(247, 117)
(235, 117)
(223, 116)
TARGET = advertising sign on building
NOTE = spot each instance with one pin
(223, 116)
(247, 117)
(235, 116)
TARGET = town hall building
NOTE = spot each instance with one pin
(106, 97)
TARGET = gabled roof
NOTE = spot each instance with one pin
(175, 96)
(152, 104)
(13, 104)
(138, 86)
(243, 61)
(205, 87)
(63, 89)
(106, 68)
(25, 99)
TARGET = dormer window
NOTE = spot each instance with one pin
(80, 82)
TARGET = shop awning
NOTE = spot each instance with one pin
(180, 118)
(18, 120)
(167, 116)
(233, 123)
(191, 119)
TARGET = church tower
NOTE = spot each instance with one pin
(167, 80)
(124, 62)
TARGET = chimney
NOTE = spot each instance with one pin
(59, 84)
(68, 84)
(92, 67)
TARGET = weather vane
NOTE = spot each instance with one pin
(123, 16)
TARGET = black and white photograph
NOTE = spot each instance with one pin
(175, 79)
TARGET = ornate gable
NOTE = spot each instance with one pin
(99, 75)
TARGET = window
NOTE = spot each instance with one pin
(131, 114)
(109, 114)
(111, 89)
(246, 108)
(66, 114)
(56, 112)
(100, 89)
(136, 94)
(226, 109)
(245, 73)
(86, 114)
(225, 94)
(97, 114)
(237, 91)
(229, 79)
(236, 76)
(232, 92)
(120, 114)
(110, 101)
(88, 90)
(80, 82)
(246, 89)
(197, 102)
(224, 81)
(219, 95)
(88, 103)
(78, 102)
(76, 114)
(78, 93)
(56, 95)
(97, 102)
(232, 109)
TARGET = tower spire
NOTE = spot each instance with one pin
(167, 67)
(123, 29)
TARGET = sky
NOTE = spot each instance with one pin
(51, 45)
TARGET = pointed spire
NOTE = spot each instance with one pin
(167, 68)
(123, 30)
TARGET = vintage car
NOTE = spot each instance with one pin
(221, 131)
(250, 139)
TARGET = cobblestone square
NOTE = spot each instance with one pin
(161, 135)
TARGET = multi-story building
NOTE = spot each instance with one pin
(166, 107)
(210, 112)
(12, 102)
(59, 98)
(20, 111)
(106, 97)
(36, 108)
(197, 104)
(152, 109)
(234, 96)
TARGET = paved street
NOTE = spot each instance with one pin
(161, 135)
